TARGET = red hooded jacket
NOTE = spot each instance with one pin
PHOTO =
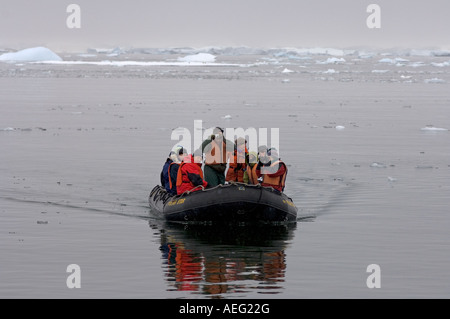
(190, 176)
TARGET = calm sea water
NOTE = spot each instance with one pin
(82, 146)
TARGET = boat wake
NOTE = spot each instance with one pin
(104, 207)
(320, 196)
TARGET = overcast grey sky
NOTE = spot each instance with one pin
(197, 23)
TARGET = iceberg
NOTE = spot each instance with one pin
(31, 55)
(199, 57)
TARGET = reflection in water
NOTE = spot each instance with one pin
(212, 260)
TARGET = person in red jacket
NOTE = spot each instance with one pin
(190, 174)
(273, 173)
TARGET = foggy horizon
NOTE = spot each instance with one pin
(202, 23)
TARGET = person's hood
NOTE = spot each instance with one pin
(190, 159)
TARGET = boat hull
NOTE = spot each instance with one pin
(225, 203)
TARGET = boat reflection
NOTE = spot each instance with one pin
(213, 260)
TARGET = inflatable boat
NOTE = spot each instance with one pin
(236, 202)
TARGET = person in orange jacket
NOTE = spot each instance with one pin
(273, 173)
(238, 164)
(255, 163)
(218, 151)
(190, 174)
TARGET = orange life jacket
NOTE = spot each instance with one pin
(170, 179)
(237, 175)
(277, 180)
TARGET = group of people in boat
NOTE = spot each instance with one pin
(182, 172)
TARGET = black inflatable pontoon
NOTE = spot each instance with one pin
(235, 202)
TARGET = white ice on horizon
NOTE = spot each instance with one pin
(286, 70)
(416, 64)
(332, 61)
(396, 61)
(330, 71)
(199, 57)
(433, 129)
(139, 63)
(434, 81)
(441, 65)
(87, 55)
(340, 127)
(378, 165)
(31, 55)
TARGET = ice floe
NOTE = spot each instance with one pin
(397, 61)
(199, 57)
(430, 128)
(332, 61)
(378, 165)
(387, 60)
(416, 64)
(31, 55)
(434, 81)
(330, 71)
(441, 65)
